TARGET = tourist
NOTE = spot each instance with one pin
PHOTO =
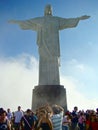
(81, 121)
(4, 122)
(9, 114)
(18, 115)
(57, 117)
(97, 112)
(44, 121)
(74, 119)
(94, 121)
(88, 120)
(66, 122)
(28, 121)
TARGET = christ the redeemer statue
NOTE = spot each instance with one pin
(47, 28)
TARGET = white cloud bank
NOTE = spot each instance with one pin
(75, 97)
(17, 79)
(19, 75)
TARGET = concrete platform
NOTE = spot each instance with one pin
(51, 94)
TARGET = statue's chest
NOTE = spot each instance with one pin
(50, 23)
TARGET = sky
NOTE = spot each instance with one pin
(19, 56)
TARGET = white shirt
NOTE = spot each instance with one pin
(18, 115)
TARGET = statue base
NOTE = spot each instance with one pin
(51, 94)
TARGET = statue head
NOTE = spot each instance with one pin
(48, 10)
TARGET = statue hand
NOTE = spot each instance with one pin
(84, 17)
(12, 21)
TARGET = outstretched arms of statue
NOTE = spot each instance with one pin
(25, 25)
(14, 21)
(84, 17)
(71, 22)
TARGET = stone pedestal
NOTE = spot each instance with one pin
(51, 94)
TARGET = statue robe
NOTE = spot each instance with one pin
(47, 28)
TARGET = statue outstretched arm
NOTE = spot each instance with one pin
(25, 25)
(71, 22)
(14, 21)
(83, 17)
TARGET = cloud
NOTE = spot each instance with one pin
(80, 79)
(82, 70)
(76, 97)
(17, 79)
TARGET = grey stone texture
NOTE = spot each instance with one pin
(51, 94)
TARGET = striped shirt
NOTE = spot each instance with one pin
(57, 121)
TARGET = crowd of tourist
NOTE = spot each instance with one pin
(48, 118)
